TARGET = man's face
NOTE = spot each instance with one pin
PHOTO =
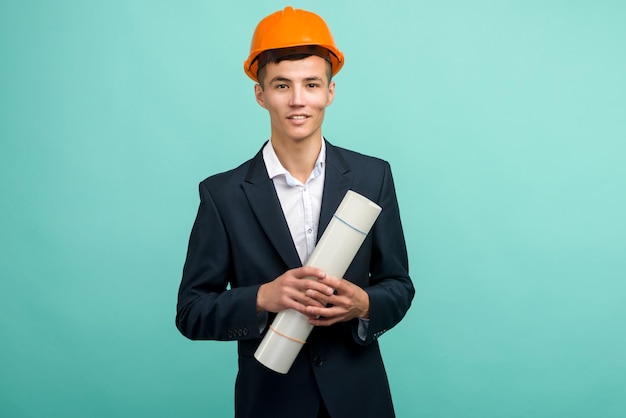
(296, 94)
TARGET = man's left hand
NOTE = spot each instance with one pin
(348, 301)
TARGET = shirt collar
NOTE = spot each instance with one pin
(275, 168)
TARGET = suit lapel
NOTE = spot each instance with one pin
(263, 200)
(336, 183)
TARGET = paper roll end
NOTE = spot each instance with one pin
(277, 352)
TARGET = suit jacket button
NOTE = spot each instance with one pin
(318, 361)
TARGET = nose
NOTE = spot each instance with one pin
(297, 96)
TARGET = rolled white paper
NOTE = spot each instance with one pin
(334, 252)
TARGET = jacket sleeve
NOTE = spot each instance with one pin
(390, 288)
(207, 309)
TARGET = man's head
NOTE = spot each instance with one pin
(296, 93)
(293, 57)
(291, 34)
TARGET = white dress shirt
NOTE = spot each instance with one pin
(301, 203)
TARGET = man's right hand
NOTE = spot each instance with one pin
(287, 291)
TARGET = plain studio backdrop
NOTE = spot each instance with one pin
(504, 122)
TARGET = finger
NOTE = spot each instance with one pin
(336, 283)
(309, 271)
(323, 321)
(306, 299)
(325, 312)
(320, 288)
(313, 302)
(309, 283)
(321, 298)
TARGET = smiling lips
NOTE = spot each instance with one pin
(297, 117)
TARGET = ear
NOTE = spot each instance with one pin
(331, 93)
(258, 95)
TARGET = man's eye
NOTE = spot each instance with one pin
(312, 85)
(281, 86)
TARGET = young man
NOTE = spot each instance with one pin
(258, 224)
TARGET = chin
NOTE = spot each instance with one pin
(299, 136)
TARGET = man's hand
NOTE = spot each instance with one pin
(289, 291)
(348, 301)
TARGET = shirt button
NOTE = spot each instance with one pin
(318, 361)
(309, 230)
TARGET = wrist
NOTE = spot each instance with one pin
(259, 299)
(364, 306)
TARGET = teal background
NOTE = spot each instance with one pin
(504, 122)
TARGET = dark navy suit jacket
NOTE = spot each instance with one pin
(241, 239)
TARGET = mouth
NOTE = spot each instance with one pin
(297, 117)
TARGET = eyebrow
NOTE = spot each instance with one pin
(315, 78)
(282, 79)
(279, 79)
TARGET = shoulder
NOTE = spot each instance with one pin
(356, 161)
(367, 175)
(357, 156)
(226, 188)
(227, 178)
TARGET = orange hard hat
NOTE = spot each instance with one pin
(290, 28)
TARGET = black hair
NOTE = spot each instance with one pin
(292, 54)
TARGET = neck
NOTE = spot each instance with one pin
(298, 157)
